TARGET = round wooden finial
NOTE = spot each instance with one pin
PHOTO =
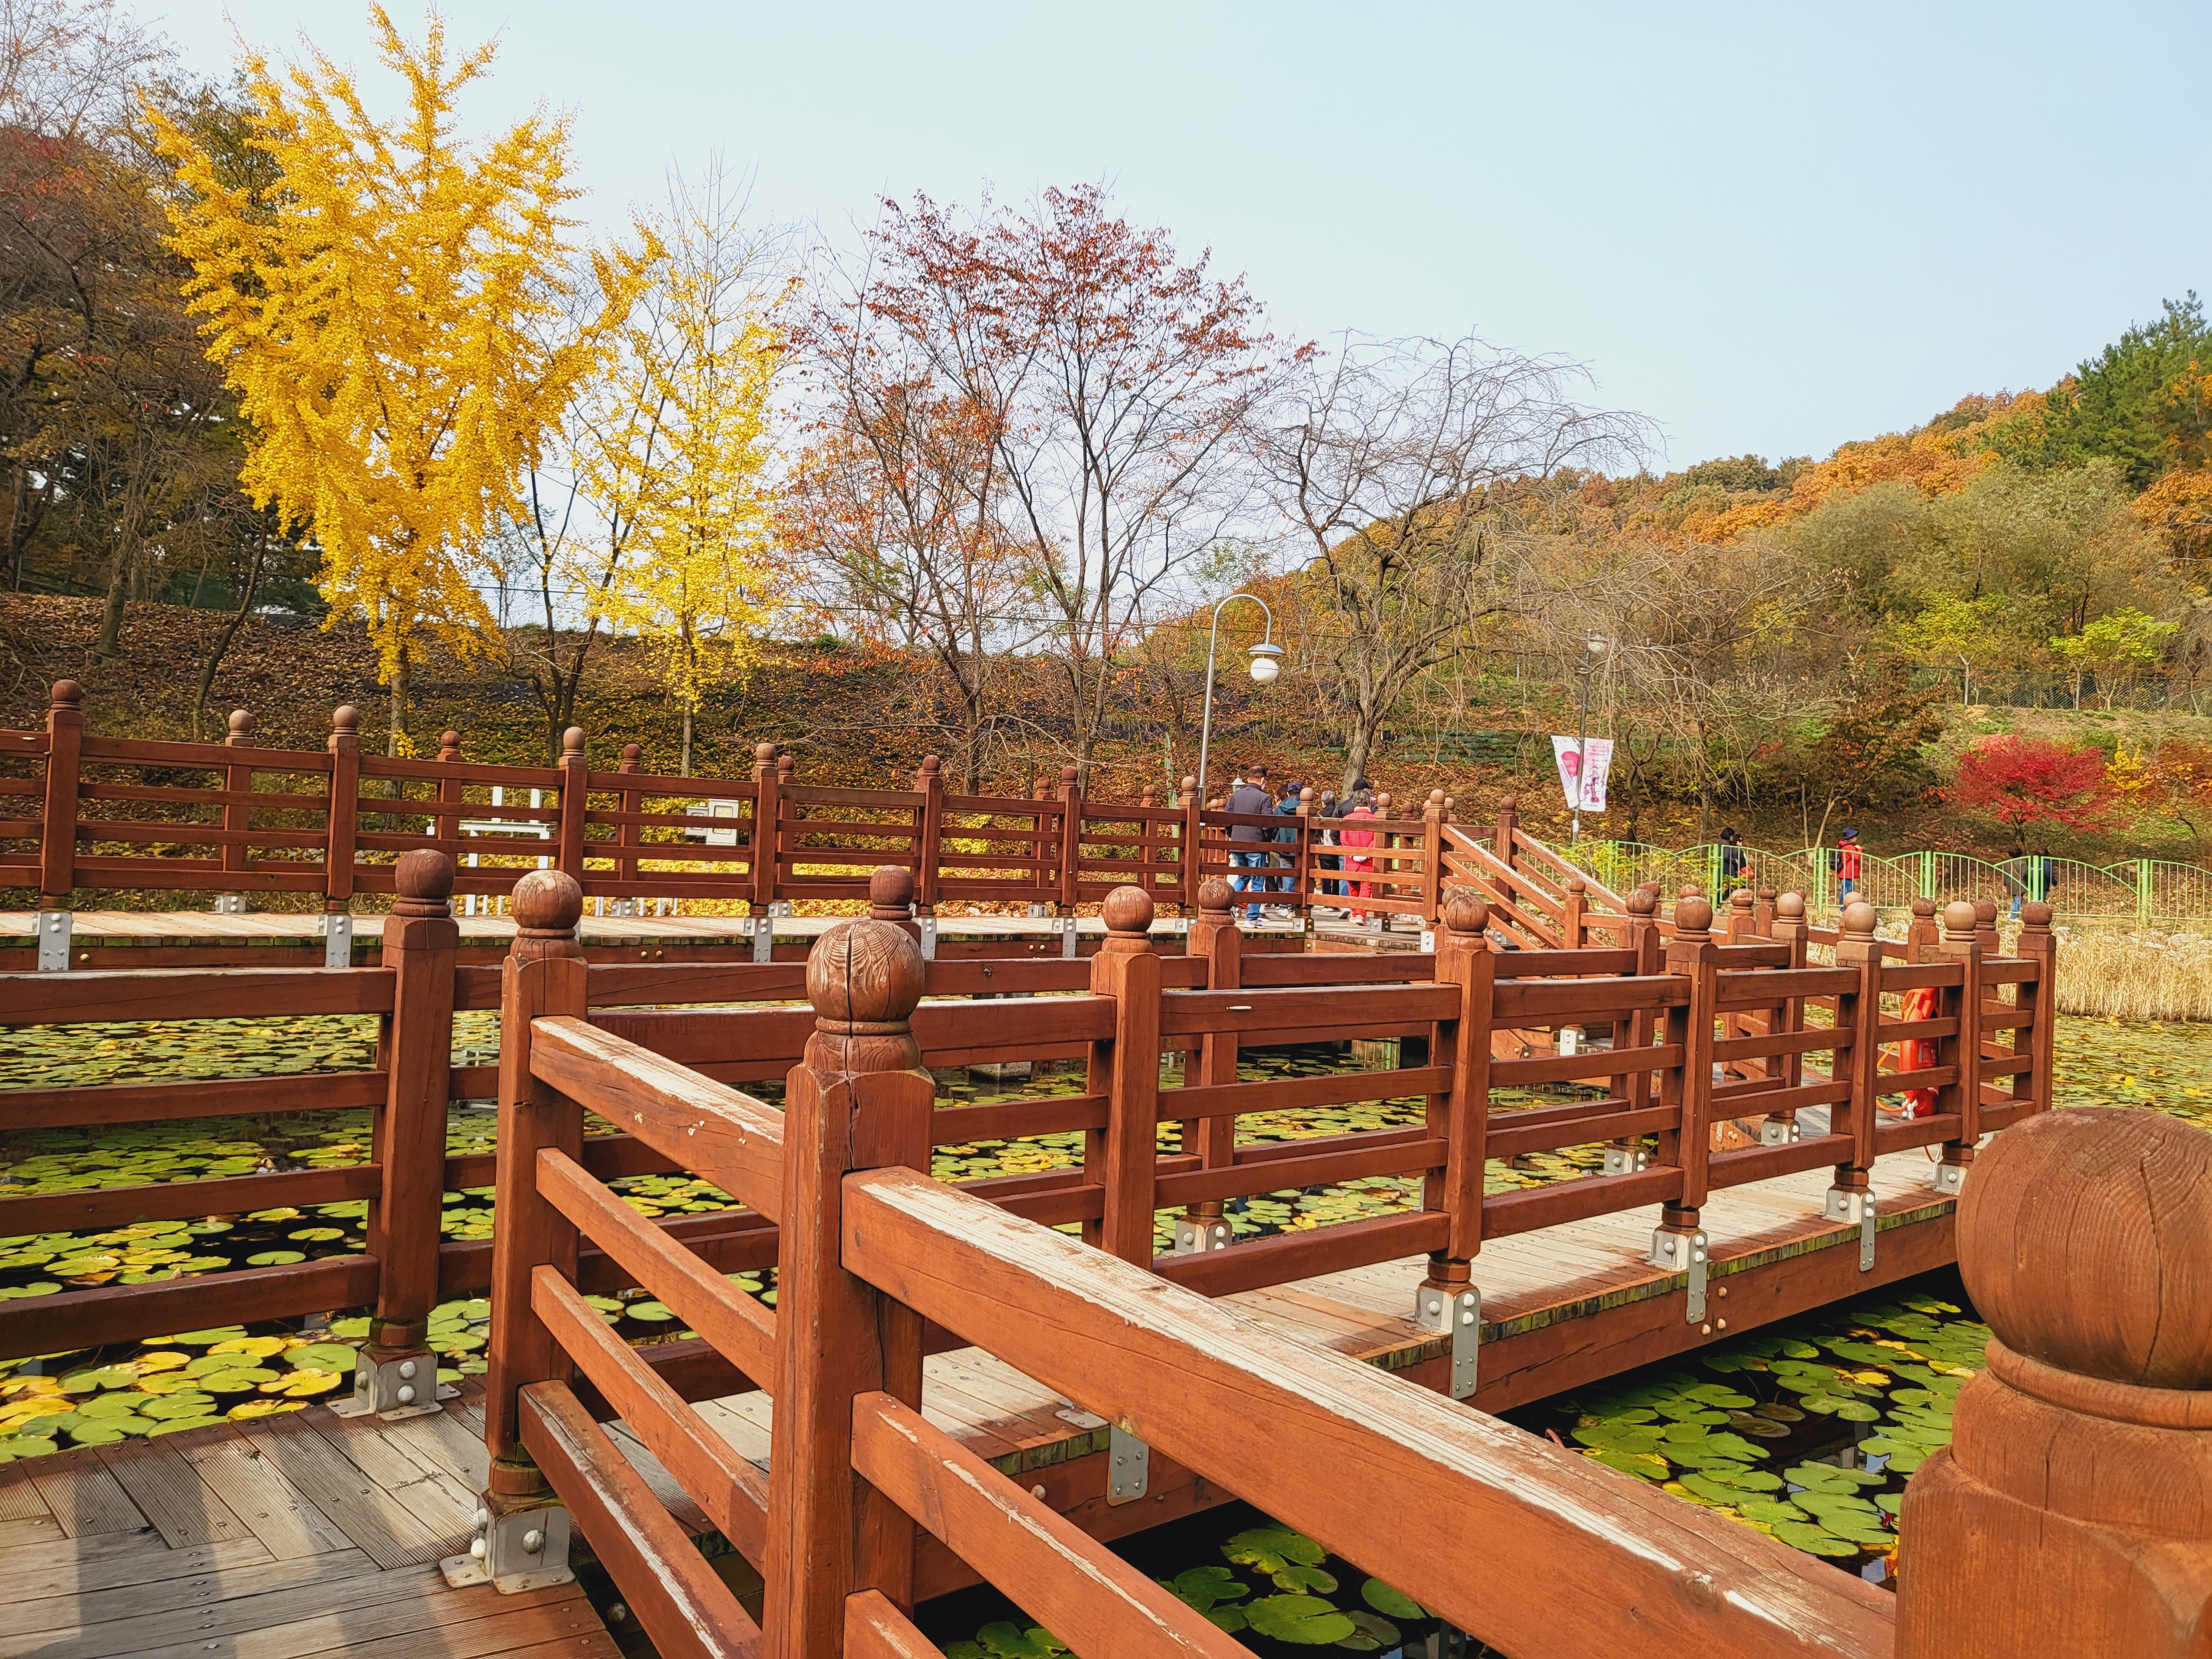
(1641, 902)
(1067, 775)
(930, 765)
(449, 745)
(425, 878)
(1859, 918)
(865, 972)
(2085, 1238)
(572, 744)
(1306, 796)
(1985, 913)
(1924, 908)
(1576, 884)
(1145, 797)
(1466, 913)
(633, 752)
(241, 725)
(1436, 799)
(2035, 913)
(67, 693)
(1127, 910)
(1509, 804)
(765, 752)
(1959, 919)
(786, 766)
(1766, 891)
(1692, 915)
(1189, 787)
(345, 718)
(1689, 889)
(1215, 894)
(1791, 905)
(547, 904)
(1741, 899)
(890, 893)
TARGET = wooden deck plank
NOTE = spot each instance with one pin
(19, 1498)
(275, 1510)
(388, 1526)
(53, 1617)
(444, 1440)
(435, 1496)
(77, 1567)
(171, 1495)
(83, 1495)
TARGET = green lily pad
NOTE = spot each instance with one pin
(170, 1408)
(275, 1258)
(1395, 1604)
(1371, 1632)
(322, 1357)
(1317, 1579)
(653, 1313)
(206, 1338)
(1271, 1549)
(1768, 1510)
(1205, 1588)
(1305, 1620)
(1813, 1540)
(176, 1425)
(1010, 1641)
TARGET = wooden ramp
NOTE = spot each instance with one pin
(283, 1538)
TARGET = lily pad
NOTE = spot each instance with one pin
(1394, 1603)
(275, 1258)
(1306, 1620)
(1271, 1549)
(1206, 1588)
(1813, 1540)
(322, 1357)
(1371, 1632)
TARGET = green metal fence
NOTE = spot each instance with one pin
(2135, 889)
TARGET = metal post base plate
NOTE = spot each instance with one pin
(1193, 1236)
(527, 1550)
(54, 931)
(337, 940)
(1627, 1160)
(1454, 1311)
(1949, 1179)
(1685, 1253)
(1129, 1466)
(401, 1387)
(1779, 1131)
(1855, 1208)
(928, 926)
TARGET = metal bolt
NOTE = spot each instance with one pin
(1724, 1324)
(1037, 1492)
(483, 1517)
(616, 1613)
(1722, 1290)
(407, 1370)
(1706, 1330)
(533, 1542)
(406, 1396)
(477, 1548)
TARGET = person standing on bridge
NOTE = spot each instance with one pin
(1356, 838)
(1249, 842)
(1845, 859)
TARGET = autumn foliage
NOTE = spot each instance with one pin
(2026, 783)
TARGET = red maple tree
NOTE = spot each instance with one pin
(2027, 782)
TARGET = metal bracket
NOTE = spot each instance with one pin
(1779, 1131)
(763, 929)
(525, 1551)
(54, 930)
(230, 904)
(1065, 927)
(1429, 939)
(1949, 1179)
(1855, 1209)
(1441, 1311)
(1194, 1237)
(1627, 1160)
(1039, 911)
(338, 939)
(928, 926)
(1683, 1253)
(1129, 1473)
(395, 1389)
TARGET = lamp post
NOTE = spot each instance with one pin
(1594, 648)
(1267, 663)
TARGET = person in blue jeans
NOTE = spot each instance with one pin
(1247, 848)
(1286, 880)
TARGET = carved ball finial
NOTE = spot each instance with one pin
(1741, 899)
(1511, 803)
(2035, 913)
(1576, 884)
(1067, 775)
(1924, 908)
(786, 766)
(890, 892)
(865, 972)
(572, 744)
(931, 766)
(633, 752)
(1766, 891)
(426, 876)
(1791, 905)
(1689, 889)
(1465, 912)
(1959, 919)
(241, 725)
(1985, 913)
(1145, 797)
(449, 745)
(763, 753)
(1692, 915)
(547, 904)
(1215, 894)
(2085, 1238)
(1641, 902)
(67, 693)
(1189, 787)
(345, 718)
(1127, 910)
(1859, 918)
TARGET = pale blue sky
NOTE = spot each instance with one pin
(1770, 227)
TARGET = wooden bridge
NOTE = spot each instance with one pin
(951, 1379)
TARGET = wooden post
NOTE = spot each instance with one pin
(1509, 820)
(1679, 1243)
(629, 801)
(767, 828)
(1859, 1013)
(542, 976)
(57, 832)
(1125, 1068)
(1985, 927)
(1922, 933)
(2067, 1518)
(1960, 943)
(1432, 860)
(1739, 919)
(1446, 1303)
(1071, 839)
(344, 809)
(1193, 875)
(2039, 1000)
(1788, 926)
(1763, 911)
(1574, 914)
(859, 1100)
(1634, 1031)
(1216, 942)
(408, 1134)
(237, 779)
(929, 836)
(575, 804)
(449, 797)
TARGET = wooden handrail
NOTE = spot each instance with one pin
(1475, 1509)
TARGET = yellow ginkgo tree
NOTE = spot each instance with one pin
(702, 581)
(402, 320)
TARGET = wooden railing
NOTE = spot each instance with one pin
(877, 1263)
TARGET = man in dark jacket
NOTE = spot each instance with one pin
(1287, 863)
(1248, 841)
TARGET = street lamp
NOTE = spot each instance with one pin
(1594, 646)
(1267, 663)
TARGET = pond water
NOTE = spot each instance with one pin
(1806, 1433)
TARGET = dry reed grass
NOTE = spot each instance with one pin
(2132, 972)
